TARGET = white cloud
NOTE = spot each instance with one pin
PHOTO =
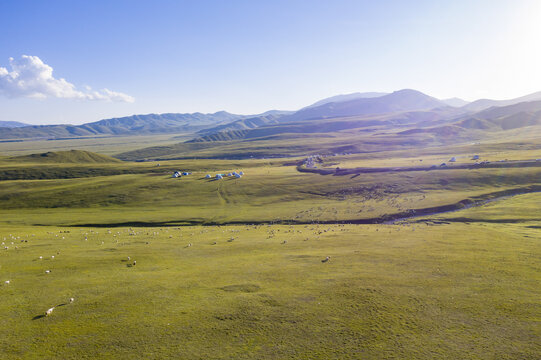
(30, 77)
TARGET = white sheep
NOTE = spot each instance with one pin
(72, 300)
(49, 312)
(47, 271)
(6, 282)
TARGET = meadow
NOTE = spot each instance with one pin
(268, 266)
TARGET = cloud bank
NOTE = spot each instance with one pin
(30, 77)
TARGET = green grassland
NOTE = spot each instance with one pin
(232, 269)
(388, 292)
(108, 145)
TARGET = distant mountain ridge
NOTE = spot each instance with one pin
(129, 125)
(12, 124)
(456, 102)
(347, 97)
(402, 100)
(418, 105)
(483, 104)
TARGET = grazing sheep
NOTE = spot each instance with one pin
(6, 282)
(328, 258)
(72, 300)
(49, 312)
(129, 258)
(47, 271)
(134, 262)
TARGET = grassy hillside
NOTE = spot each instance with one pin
(272, 190)
(72, 156)
(108, 145)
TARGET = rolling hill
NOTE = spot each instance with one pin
(72, 156)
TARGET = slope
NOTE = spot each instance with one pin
(73, 156)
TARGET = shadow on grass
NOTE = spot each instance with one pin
(37, 317)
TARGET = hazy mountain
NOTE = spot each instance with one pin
(12, 124)
(402, 100)
(502, 118)
(331, 125)
(442, 121)
(505, 117)
(483, 104)
(129, 125)
(456, 102)
(347, 97)
(244, 124)
(143, 124)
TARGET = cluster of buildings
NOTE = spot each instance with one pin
(238, 175)
(235, 174)
(178, 174)
(310, 161)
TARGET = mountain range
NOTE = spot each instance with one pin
(335, 113)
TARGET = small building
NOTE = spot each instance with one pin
(453, 159)
(219, 177)
(475, 157)
(208, 176)
(176, 174)
(238, 176)
(241, 173)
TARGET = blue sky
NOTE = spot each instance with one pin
(252, 56)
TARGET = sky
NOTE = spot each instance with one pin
(82, 61)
